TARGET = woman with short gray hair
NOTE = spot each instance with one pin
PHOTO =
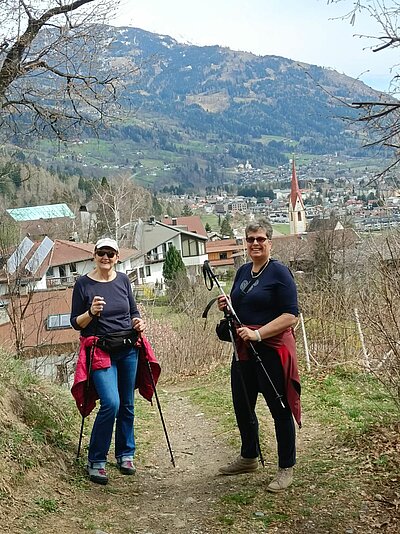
(264, 297)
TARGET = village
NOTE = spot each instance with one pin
(38, 275)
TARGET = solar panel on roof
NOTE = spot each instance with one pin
(39, 255)
(14, 261)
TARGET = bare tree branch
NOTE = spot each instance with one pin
(51, 71)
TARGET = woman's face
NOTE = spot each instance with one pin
(105, 258)
(258, 246)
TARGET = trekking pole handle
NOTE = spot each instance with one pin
(212, 277)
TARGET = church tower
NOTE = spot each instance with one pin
(297, 212)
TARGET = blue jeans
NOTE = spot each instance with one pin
(116, 389)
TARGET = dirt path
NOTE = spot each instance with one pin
(158, 499)
(192, 498)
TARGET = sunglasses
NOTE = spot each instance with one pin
(101, 253)
(259, 239)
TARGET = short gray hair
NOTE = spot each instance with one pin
(260, 224)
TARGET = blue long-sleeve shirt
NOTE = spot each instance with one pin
(271, 294)
(118, 312)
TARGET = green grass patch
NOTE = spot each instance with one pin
(47, 505)
(212, 220)
(243, 498)
(352, 402)
(282, 228)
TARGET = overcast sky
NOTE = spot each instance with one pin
(303, 30)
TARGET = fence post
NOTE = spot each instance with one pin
(361, 336)
(307, 353)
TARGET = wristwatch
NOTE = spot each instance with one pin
(90, 313)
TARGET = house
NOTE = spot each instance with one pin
(43, 265)
(53, 220)
(38, 278)
(192, 223)
(153, 239)
(324, 224)
(300, 252)
(221, 253)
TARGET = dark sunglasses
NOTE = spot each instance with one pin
(259, 239)
(110, 253)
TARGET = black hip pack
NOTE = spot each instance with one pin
(116, 341)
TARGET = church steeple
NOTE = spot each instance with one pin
(297, 212)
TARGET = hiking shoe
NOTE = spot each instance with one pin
(282, 480)
(240, 465)
(126, 467)
(97, 473)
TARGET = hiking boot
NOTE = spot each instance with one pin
(126, 466)
(240, 465)
(97, 472)
(282, 480)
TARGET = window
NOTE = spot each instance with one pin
(50, 272)
(189, 247)
(63, 274)
(148, 270)
(299, 216)
(59, 321)
(4, 318)
(141, 272)
(72, 267)
(223, 256)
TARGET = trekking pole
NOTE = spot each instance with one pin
(211, 277)
(87, 385)
(253, 419)
(230, 316)
(153, 385)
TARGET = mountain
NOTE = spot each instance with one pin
(191, 113)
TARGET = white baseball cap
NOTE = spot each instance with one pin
(107, 242)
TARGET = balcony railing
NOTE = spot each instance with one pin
(154, 258)
(62, 281)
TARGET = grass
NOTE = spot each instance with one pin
(351, 401)
(212, 220)
(346, 407)
(282, 228)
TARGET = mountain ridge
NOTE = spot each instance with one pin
(191, 113)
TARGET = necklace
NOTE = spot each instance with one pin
(256, 275)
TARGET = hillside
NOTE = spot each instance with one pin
(190, 114)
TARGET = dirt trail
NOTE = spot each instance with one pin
(191, 498)
(157, 499)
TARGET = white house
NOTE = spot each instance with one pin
(47, 264)
(154, 238)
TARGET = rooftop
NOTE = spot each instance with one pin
(33, 213)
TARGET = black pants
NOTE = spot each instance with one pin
(256, 382)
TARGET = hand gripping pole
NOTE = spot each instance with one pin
(209, 279)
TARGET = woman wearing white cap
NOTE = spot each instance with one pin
(102, 304)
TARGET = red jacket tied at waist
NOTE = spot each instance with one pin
(284, 344)
(101, 360)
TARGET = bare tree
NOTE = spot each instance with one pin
(120, 202)
(51, 74)
(381, 116)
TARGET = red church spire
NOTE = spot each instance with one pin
(294, 190)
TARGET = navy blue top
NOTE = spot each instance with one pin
(118, 311)
(271, 294)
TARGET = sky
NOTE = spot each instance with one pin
(309, 31)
